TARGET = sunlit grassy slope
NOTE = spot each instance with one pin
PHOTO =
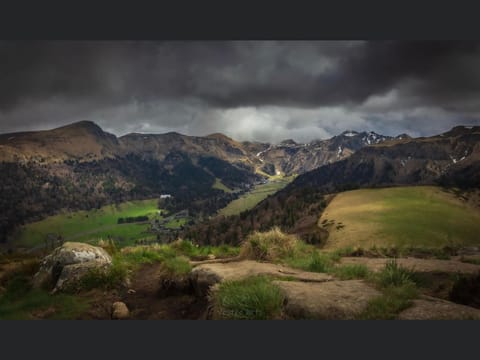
(94, 224)
(257, 194)
(403, 216)
(221, 186)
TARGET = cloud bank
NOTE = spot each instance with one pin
(249, 90)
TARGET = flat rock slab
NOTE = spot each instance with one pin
(420, 265)
(333, 300)
(205, 276)
(429, 308)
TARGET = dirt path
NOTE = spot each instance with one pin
(147, 302)
(420, 265)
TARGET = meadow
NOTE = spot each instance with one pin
(89, 226)
(421, 216)
(257, 194)
(220, 186)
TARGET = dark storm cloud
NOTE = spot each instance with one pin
(202, 86)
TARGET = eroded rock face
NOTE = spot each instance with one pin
(429, 308)
(204, 276)
(332, 300)
(419, 265)
(70, 262)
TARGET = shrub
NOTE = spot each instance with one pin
(224, 251)
(466, 290)
(351, 271)
(110, 278)
(64, 306)
(254, 298)
(319, 263)
(272, 245)
(109, 246)
(17, 286)
(148, 254)
(473, 261)
(177, 266)
(185, 247)
(143, 255)
(394, 275)
(310, 259)
(195, 252)
(387, 306)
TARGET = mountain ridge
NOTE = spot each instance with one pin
(450, 160)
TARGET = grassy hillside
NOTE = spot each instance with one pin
(221, 186)
(87, 225)
(402, 216)
(257, 194)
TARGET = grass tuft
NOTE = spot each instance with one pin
(177, 266)
(272, 245)
(254, 298)
(394, 300)
(351, 271)
(394, 275)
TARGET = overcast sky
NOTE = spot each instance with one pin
(264, 91)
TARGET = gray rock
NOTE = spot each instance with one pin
(331, 300)
(204, 276)
(430, 308)
(68, 263)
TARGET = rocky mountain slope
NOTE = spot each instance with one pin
(80, 166)
(82, 141)
(289, 157)
(451, 158)
(85, 141)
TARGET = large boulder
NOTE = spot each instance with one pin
(429, 308)
(68, 263)
(331, 300)
(418, 265)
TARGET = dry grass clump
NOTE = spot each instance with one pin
(273, 245)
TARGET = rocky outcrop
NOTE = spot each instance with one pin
(332, 300)
(68, 263)
(429, 308)
(204, 276)
(419, 265)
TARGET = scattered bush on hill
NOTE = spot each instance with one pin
(273, 245)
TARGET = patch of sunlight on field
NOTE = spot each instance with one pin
(176, 223)
(253, 197)
(401, 216)
(93, 224)
(221, 186)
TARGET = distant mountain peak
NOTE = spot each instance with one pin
(81, 128)
(403, 136)
(349, 133)
(462, 129)
(219, 136)
(80, 124)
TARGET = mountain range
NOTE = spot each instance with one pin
(85, 141)
(451, 160)
(80, 166)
